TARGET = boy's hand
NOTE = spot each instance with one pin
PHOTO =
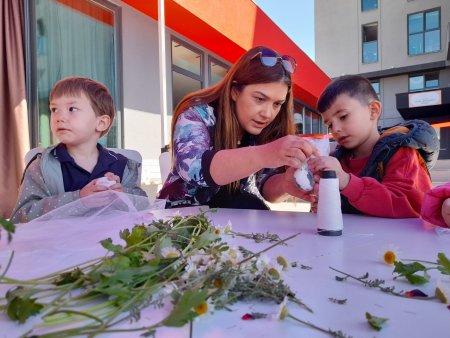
(92, 188)
(117, 186)
(321, 163)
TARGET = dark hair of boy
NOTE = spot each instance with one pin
(355, 86)
(98, 94)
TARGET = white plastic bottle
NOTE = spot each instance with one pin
(329, 213)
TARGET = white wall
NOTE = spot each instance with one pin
(141, 95)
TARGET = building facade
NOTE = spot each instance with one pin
(116, 42)
(401, 46)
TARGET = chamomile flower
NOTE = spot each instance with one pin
(274, 270)
(283, 262)
(222, 229)
(228, 227)
(443, 291)
(148, 256)
(231, 256)
(265, 265)
(282, 312)
(390, 254)
(262, 263)
(170, 252)
(205, 309)
(201, 309)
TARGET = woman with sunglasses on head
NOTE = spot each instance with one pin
(233, 144)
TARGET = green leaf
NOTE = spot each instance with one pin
(408, 271)
(137, 235)
(183, 312)
(108, 245)
(376, 322)
(8, 226)
(69, 277)
(417, 279)
(19, 306)
(444, 264)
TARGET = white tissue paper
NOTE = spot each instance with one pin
(105, 182)
(303, 175)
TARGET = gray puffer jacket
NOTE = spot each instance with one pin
(42, 188)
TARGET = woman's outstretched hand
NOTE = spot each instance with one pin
(289, 151)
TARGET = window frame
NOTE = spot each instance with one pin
(184, 71)
(379, 87)
(424, 75)
(424, 30)
(366, 9)
(32, 76)
(363, 43)
(212, 59)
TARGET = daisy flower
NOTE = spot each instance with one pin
(231, 256)
(148, 256)
(443, 291)
(274, 270)
(205, 309)
(222, 229)
(282, 312)
(201, 309)
(390, 254)
(170, 252)
(262, 263)
(228, 228)
(283, 262)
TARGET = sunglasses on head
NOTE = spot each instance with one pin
(270, 58)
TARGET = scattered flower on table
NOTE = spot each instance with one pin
(390, 254)
(416, 293)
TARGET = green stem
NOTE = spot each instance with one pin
(329, 332)
(385, 289)
(420, 261)
(7, 265)
(268, 248)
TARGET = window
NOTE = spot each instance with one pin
(370, 43)
(308, 121)
(376, 87)
(368, 5)
(424, 32)
(217, 71)
(424, 81)
(187, 74)
(72, 38)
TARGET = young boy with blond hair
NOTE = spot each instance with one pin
(380, 174)
(81, 112)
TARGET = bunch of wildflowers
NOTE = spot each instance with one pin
(182, 259)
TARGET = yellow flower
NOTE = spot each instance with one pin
(170, 252)
(390, 254)
(274, 273)
(390, 257)
(283, 262)
(201, 308)
(443, 291)
(282, 312)
(218, 283)
(217, 231)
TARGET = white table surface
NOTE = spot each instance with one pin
(357, 251)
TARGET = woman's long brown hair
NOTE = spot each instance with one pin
(247, 70)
